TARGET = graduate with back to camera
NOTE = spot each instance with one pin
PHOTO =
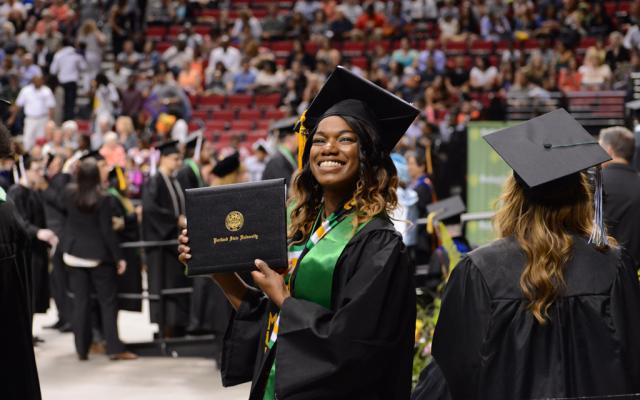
(340, 323)
(19, 379)
(550, 310)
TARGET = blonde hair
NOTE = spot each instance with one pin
(544, 225)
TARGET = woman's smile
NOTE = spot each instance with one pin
(334, 155)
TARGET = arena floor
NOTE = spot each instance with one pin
(63, 377)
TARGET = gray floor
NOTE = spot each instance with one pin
(63, 377)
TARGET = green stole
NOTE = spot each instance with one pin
(126, 203)
(288, 155)
(314, 276)
(3, 195)
(194, 167)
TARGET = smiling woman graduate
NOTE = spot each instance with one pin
(340, 323)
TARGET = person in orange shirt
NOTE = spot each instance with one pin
(112, 151)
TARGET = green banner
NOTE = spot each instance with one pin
(485, 176)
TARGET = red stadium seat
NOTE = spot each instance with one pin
(267, 101)
(210, 13)
(155, 32)
(175, 30)
(274, 114)
(211, 102)
(353, 49)
(360, 62)
(202, 29)
(242, 125)
(481, 47)
(282, 48)
(224, 115)
(162, 46)
(249, 115)
(216, 124)
(530, 45)
(264, 124)
(84, 126)
(455, 47)
(240, 101)
(200, 114)
(311, 48)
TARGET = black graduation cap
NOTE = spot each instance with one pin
(168, 148)
(95, 154)
(345, 93)
(546, 148)
(447, 208)
(227, 165)
(284, 126)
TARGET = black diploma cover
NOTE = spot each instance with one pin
(232, 225)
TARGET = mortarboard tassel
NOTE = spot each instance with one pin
(198, 149)
(122, 183)
(16, 174)
(599, 233)
(154, 157)
(302, 137)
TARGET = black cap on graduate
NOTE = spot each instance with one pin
(227, 165)
(95, 155)
(545, 153)
(168, 148)
(347, 94)
(447, 208)
(284, 127)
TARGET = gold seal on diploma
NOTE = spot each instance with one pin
(234, 221)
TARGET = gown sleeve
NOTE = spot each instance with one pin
(462, 325)
(20, 201)
(239, 351)
(625, 297)
(321, 352)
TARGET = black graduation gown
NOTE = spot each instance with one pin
(489, 346)
(30, 206)
(621, 185)
(160, 222)
(187, 178)
(362, 348)
(131, 281)
(278, 167)
(54, 213)
(210, 311)
(19, 377)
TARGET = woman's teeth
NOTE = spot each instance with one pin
(330, 164)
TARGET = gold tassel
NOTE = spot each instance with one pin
(428, 159)
(122, 183)
(302, 138)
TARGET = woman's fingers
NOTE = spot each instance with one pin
(263, 267)
(184, 237)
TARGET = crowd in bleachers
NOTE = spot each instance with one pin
(232, 67)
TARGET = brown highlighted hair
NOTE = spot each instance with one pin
(374, 192)
(543, 221)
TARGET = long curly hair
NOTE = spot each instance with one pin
(543, 221)
(374, 193)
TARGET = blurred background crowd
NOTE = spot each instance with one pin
(120, 77)
(126, 74)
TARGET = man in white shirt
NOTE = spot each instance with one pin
(68, 65)
(38, 104)
(227, 55)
